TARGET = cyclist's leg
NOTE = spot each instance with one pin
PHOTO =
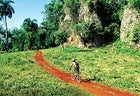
(78, 76)
(73, 75)
(75, 71)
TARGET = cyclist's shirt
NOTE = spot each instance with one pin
(76, 65)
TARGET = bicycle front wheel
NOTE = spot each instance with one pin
(73, 77)
(78, 78)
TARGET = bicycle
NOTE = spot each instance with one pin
(76, 76)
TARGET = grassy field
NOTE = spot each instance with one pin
(21, 76)
(115, 65)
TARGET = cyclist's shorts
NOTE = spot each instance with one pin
(76, 69)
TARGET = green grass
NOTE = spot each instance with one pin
(21, 76)
(115, 65)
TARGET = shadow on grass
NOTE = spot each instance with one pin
(87, 80)
(91, 79)
(69, 51)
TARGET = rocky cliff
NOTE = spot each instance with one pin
(84, 16)
(130, 26)
(94, 23)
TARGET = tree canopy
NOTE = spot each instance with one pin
(54, 31)
(6, 10)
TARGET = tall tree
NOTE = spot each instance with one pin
(52, 14)
(19, 40)
(6, 10)
(1, 37)
(31, 27)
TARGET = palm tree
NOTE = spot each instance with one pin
(31, 26)
(6, 10)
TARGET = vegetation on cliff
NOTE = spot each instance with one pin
(83, 23)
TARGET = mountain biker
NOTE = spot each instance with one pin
(75, 66)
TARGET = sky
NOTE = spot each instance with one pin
(26, 9)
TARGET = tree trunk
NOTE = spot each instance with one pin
(31, 42)
(6, 34)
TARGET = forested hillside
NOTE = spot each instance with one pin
(83, 23)
(103, 36)
(92, 23)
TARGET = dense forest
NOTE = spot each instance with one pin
(90, 22)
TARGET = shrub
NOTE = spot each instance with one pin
(60, 37)
(135, 4)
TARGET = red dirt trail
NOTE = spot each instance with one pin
(97, 89)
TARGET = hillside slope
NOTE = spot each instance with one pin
(21, 76)
(115, 65)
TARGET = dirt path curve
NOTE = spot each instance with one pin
(99, 90)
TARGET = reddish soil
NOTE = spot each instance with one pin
(98, 89)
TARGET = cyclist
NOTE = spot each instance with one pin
(75, 66)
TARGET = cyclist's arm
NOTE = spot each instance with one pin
(71, 66)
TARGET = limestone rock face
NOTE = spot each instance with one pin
(130, 21)
(87, 16)
(75, 40)
(84, 15)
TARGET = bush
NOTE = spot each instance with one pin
(135, 4)
(60, 37)
(73, 6)
(136, 34)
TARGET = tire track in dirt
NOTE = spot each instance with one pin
(98, 89)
